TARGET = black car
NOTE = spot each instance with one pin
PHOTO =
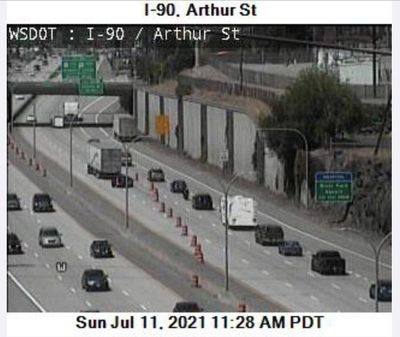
(291, 248)
(13, 203)
(120, 181)
(94, 279)
(186, 307)
(41, 202)
(202, 202)
(101, 248)
(156, 175)
(178, 186)
(384, 291)
(13, 244)
(271, 235)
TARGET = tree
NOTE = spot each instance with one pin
(319, 106)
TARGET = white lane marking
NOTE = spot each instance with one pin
(248, 242)
(143, 202)
(336, 286)
(311, 274)
(207, 241)
(80, 257)
(266, 252)
(25, 245)
(67, 247)
(357, 275)
(47, 266)
(73, 290)
(39, 221)
(200, 217)
(314, 298)
(143, 307)
(154, 208)
(350, 272)
(366, 279)
(85, 132)
(245, 261)
(103, 131)
(176, 202)
(125, 293)
(88, 303)
(59, 277)
(214, 225)
(362, 299)
(187, 209)
(263, 214)
(35, 254)
(265, 272)
(288, 262)
(26, 292)
(289, 285)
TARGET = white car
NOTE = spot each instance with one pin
(31, 118)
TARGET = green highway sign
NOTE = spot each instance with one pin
(76, 67)
(333, 186)
(90, 87)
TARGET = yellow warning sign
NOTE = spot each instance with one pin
(162, 124)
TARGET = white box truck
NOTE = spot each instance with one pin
(103, 158)
(71, 110)
(124, 127)
(241, 212)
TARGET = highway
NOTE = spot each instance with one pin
(278, 279)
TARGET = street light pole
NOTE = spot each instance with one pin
(34, 131)
(305, 147)
(125, 149)
(226, 193)
(377, 251)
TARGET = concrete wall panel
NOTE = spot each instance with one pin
(274, 172)
(216, 142)
(171, 109)
(192, 124)
(244, 134)
(141, 110)
(154, 110)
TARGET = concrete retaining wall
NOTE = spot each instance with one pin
(141, 111)
(274, 172)
(244, 131)
(216, 135)
(171, 110)
(192, 134)
(154, 110)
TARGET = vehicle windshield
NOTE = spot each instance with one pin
(95, 273)
(50, 232)
(331, 254)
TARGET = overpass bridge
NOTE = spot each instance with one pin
(125, 90)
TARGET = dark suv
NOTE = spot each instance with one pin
(202, 202)
(101, 248)
(384, 291)
(156, 175)
(13, 203)
(178, 186)
(271, 235)
(186, 307)
(120, 181)
(94, 279)
(41, 202)
(13, 244)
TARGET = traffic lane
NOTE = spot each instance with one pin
(148, 250)
(245, 254)
(289, 217)
(132, 288)
(17, 300)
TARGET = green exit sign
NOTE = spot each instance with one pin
(333, 186)
(90, 87)
(77, 67)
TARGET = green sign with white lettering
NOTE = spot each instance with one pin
(77, 67)
(90, 87)
(333, 186)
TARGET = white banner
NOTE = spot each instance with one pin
(204, 324)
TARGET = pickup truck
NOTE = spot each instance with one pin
(328, 262)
